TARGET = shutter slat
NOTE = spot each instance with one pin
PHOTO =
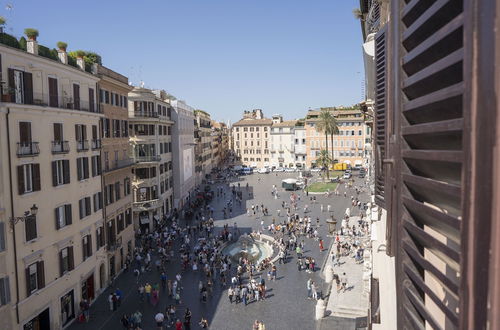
(437, 155)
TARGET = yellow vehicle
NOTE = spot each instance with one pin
(340, 167)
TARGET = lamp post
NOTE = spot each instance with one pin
(31, 213)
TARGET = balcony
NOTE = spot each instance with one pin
(27, 149)
(96, 144)
(60, 147)
(147, 159)
(147, 205)
(145, 114)
(82, 145)
(117, 165)
(50, 100)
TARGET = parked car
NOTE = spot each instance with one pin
(289, 169)
(361, 175)
(316, 169)
(279, 169)
(264, 170)
(247, 170)
(347, 175)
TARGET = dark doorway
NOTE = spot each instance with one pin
(39, 322)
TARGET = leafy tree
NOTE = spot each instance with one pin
(324, 161)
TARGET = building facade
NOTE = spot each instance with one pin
(300, 144)
(150, 123)
(282, 142)
(348, 145)
(184, 147)
(203, 149)
(51, 122)
(116, 168)
(251, 139)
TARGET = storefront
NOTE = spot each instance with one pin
(67, 307)
(88, 288)
(39, 322)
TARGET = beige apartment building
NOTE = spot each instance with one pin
(150, 126)
(348, 146)
(219, 142)
(7, 281)
(116, 168)
(50, 127)
(203, 148)
(282, 142)
(251, 139)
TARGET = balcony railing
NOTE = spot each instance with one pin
(82, 145)
(60, 147)
(27, 149)
(147, 159)
(96, 144)
(119, 164)
(50, 100)
(146, 114)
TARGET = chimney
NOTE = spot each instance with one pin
(32, 46)
(80, 63)
(63, 56)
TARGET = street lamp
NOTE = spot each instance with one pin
(31, 213)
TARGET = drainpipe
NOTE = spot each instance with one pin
(13, 226)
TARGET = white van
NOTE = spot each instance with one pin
(264, 170)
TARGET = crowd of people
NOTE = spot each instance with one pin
(197, 247)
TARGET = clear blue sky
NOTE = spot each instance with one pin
(222, 56)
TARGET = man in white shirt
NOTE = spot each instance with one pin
(159, 318)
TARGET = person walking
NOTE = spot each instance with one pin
(321, 248)
(159, 318)
(314, 293)
(309, 288)
(230, 294)
(84, 307)
(343, 281)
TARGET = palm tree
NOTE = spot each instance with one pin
(324, 126)
(324, 161)
(334, 130)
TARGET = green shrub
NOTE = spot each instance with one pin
(47, 52)
(23, 43)
(31, 33)
(9, 40)
(2, 20)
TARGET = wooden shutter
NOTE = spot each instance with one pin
(66, 171)
(87, 206)
(40, 273)
(79, 168)
(68, 213)
(20, 179)
(81, 208)
(71, 258)
(91, 100)
(58, 225)
(76, 96)
(24, 132)
(61, 264)
(28, 284)
(85, 167)
(430, 90)
(54, 173)
(380, 115)
(94, 169)
(53, 93)
(58, 132)
(89, 244)
(36, 177)
(28, 88)
(12, 85)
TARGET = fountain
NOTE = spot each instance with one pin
(249, 247)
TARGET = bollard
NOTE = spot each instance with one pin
(329, 274)
(320, 309)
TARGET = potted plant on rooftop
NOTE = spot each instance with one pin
(62, 46)
(31, 33)
(80, 53)
(2, 23)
